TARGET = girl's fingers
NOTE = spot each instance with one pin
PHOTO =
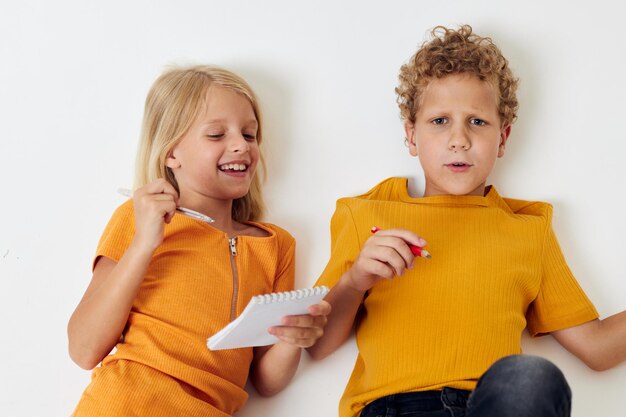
(304, 321)
(304, 329)
(322, 309)
(159, 187)
(298, 336)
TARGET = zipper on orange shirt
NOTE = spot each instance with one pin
(232, 243)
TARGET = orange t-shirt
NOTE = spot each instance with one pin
(196, 283)
(496, 269)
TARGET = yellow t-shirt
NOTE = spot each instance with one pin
(195, 285)
(496, 269)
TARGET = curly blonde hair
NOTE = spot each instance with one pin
(457, 52)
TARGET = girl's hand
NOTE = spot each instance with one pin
(154, 204)
(303, 330)
(384, 255)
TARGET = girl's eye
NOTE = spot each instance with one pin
(250, 136)
(215, 136)
(478, 122)
(440, 121)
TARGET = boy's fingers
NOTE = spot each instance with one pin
(403, 234)
(389, 261)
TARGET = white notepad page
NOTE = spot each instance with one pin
(262, 312)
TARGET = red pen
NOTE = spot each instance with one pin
(416, 250)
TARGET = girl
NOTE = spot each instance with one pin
(163, 282)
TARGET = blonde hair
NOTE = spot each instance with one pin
(456, 52)
(174, 101)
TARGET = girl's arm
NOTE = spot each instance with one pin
(600, 344)
(99, 319)
(383, 256)
(274, 366)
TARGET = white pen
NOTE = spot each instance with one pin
(187, 212)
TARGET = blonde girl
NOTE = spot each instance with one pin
(163, 282)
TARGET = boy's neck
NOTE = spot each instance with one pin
(480, 191)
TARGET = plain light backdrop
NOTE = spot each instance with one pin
(73, 79)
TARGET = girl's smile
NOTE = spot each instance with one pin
(222, 136)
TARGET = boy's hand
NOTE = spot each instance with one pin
(303, 330)
(384, 255)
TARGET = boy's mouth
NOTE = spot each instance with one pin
(458, 166)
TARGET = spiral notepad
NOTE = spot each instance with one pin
(262, 312)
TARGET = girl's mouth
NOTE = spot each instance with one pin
(233, 167)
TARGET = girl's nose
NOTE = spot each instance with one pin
(239, 144)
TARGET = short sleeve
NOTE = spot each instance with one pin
(561, 302)
(286, 271)
(344, 246)
(118, 234)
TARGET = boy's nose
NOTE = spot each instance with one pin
(459, 141)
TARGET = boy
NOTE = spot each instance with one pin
(433, 331)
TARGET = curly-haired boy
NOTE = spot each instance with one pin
(442, 336)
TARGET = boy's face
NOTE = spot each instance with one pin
(457, 135)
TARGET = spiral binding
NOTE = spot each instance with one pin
(277, 297)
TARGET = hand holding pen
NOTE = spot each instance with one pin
(187, 212)
(155, 204)
(416, 250)
(385, 255)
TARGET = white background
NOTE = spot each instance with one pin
(73, 78)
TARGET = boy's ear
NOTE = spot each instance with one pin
(504, 136)
(409, 132)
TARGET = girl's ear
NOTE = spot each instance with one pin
(504, 136)
(409, 139)
(171, 161)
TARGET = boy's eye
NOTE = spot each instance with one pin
(477, 122)
(439, 121)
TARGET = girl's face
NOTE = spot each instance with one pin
(218, 156)
(457, 135)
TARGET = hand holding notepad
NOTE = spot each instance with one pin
(262, 312)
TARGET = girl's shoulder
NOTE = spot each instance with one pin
(274, 230)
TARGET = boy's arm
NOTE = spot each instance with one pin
(274, 366)
(600, 344)
(383, 256)
(345, 301)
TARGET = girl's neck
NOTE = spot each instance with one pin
(218, 210)
(221, 212)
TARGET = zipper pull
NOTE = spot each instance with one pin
(232, 243)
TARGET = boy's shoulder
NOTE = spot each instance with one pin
(528, 208)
